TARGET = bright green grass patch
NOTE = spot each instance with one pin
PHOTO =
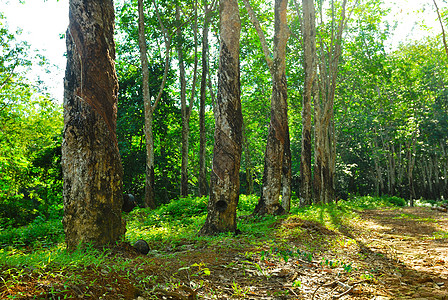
(415, 218)
(438, 235)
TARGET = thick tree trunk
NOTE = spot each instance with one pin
(91, 162)
(225, 183)
(309, 45)
(278, 128)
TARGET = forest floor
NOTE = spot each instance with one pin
(387, 253)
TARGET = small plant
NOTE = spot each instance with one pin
(239, 291)
(296, 283)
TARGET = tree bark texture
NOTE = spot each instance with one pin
(278, 128)
(224, 182)
(309, 46)
(91, 162)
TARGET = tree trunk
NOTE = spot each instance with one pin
(309, 45)
(183, 108)
(91, 162)
(149, 112)
(278, 127)
(149, 107)
(225, 183)
(286, 174)
(324, 107)
(249, 168)
(203, 186)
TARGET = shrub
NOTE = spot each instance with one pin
(397, 201)
(39, 232)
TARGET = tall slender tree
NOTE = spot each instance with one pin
(150, 106)
(277, 162)
(225, 182)
(202, 178)
(91, 162)
(309, 47)
(329, 54)
(186, 109)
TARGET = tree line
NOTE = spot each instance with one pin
(288, 100)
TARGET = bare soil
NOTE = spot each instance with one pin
(382, 254)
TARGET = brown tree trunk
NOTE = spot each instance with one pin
(278, 128)
(286, 174)
(325, 139)
(309, 46)
(203, 186)
(149, 113)
(185, 110)
(249, 168)
(149, 107)
(225, 182)
(91, 162)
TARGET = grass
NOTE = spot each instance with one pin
(169, 230)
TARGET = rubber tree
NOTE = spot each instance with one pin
(224, 179)
(149, 105)
(277, 161)
(309, 65)
(91, 162)
(202, 177)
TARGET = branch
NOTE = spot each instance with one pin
(195, 72)
(167, 39)
(441, 25)
(261, 36)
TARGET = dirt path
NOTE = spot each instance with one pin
(413, 248)
(383, 254)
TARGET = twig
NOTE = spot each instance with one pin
(344, 293)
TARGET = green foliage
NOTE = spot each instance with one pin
(30, 127)
(247, 203)
(39, 233)
(397, 201)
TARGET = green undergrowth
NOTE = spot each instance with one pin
(171, 227)
(170, 230)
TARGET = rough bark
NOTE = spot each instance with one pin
(309, 46)
(224, 182)
(91, 162)
(278, 128)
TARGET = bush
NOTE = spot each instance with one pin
(246, 203)
(397, 201)
(39, 232)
